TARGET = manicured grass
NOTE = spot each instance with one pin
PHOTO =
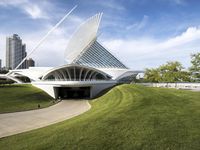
(127, 117)
(22, 97)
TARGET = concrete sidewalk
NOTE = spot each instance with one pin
(13, 123)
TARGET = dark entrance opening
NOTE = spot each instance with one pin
(74, 92)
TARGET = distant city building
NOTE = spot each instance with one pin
(15, 52)
(30, 63)
(0, 64)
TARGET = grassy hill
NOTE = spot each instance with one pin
(22, 97)
(127, 117)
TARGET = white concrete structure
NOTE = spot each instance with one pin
(186, 86)
(91, 68)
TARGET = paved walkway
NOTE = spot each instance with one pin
(13, 123)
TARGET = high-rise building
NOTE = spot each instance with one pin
(30, 63)
(15, 52)
(23, 56)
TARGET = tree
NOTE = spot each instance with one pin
(173, 72)
(170, 72)
(195, 68)
(152, 75)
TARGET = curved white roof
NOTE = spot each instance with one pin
(83, 36)
(65, 67)
(34, 73)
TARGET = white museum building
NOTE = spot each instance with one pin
(91, 68)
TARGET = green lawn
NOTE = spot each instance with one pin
(127, 117)
(22, 97)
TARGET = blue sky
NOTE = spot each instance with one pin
(142, 34)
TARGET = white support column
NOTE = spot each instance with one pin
(69, 74)
(74, 73)
(61, 71)
(94, 75)
(58, 76)
(91, 74)
(80, 74)
(86, 74)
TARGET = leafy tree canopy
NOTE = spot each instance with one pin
(195, 62)
(195, 68)
(170, 72)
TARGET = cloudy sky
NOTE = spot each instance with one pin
(142, 34)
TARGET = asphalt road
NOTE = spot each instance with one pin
(14, 123)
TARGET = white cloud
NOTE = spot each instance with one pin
(33, 10)
(139, 25)
(144, 53)
(191, 34)
(2, 48)
(179, 2)
(51, 52)
(110, 4)
(75, 19)
(175, 2)
(11, 2)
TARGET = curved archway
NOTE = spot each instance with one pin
(75, 73)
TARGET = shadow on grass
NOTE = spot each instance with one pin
(104, 92)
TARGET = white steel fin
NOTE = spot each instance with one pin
(83, 36)
(44, 38)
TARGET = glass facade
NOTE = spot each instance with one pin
(15, 52)
(97, 56)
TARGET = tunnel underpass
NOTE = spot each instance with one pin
(73, 92)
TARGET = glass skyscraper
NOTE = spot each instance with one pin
(15, 52)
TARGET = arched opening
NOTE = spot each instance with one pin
(73, 92)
